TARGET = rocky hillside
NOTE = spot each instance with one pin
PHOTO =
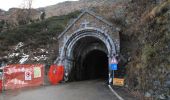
(2, 14)
(146, 43)
(33, 43)
(15, 16)
(62, 9)
(71, 6)
(145, 40)
(12, 13)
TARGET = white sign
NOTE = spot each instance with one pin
(114, 61)
(28, 75)
(37, 72)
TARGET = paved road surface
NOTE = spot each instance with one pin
(85, 90)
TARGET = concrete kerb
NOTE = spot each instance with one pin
(115, 93)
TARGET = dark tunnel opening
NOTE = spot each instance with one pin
(90, 60)
(95, 65)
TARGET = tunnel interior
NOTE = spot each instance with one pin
(95, 65)
(90, 60)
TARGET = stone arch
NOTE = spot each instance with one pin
(101, 35)
(66, 55)
(94, 32)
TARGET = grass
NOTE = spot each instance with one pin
(39, 32)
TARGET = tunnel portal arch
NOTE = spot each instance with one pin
(87, 33)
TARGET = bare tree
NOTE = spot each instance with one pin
(25, 13)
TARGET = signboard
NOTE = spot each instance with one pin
(37, 72)
(23, 75)
(113, 66)
(118, 81)
(28, 75)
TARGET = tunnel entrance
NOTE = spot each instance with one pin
(90, 60)
(95, 65)
(85, 44)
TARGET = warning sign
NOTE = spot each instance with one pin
(28, 75)
(37, 72)
(114, 61)
(118, 81)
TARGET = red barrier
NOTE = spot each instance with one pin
(1, 77)
(56, 74)
(19, 76)
(0, 85)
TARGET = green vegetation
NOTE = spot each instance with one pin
(148, 52)
(2, 22)
(149, 68)
(39, 32)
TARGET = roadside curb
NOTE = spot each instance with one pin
(115, 93)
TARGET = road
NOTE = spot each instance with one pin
(84, 90)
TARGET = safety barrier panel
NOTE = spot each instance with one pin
(0, 85)
(56, 74)
(26, 75)
(1, 79)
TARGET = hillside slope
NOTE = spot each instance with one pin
(62, 8)
(16, 16)
(145, 42)
(34, 43)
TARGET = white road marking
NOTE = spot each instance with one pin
(118, 96)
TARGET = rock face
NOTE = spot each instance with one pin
(148, 31)
(33, 43)
(13, 16)
(60, 9)
(71, 6)
(2, 14)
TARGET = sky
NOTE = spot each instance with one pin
(6, 4)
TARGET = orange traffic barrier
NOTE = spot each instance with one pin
(19, 76)
(0, 85)
(56, 74)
